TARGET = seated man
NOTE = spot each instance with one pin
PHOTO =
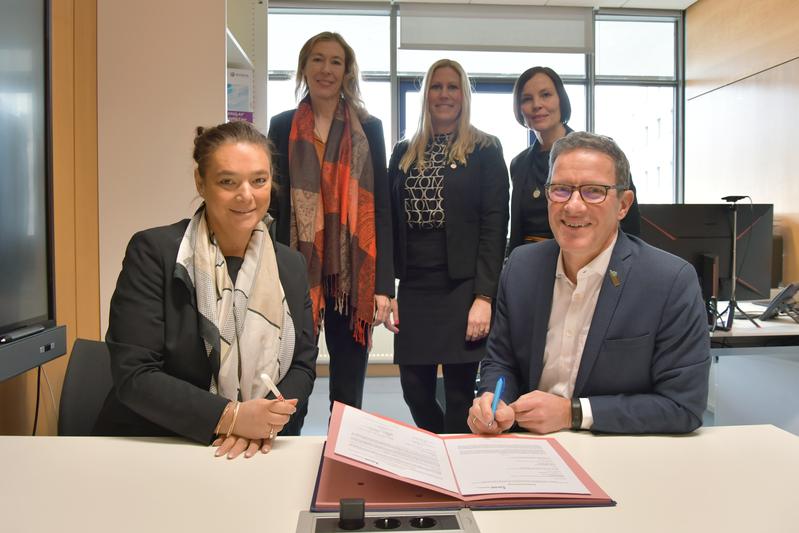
(594, 329)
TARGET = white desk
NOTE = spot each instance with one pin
(729, 479)
(755, 372)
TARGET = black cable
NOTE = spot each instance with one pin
(38, 395)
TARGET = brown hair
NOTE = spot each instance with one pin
(518, 87)
(349, 85)
(208, 140)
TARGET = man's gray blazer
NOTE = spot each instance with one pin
(647, 356)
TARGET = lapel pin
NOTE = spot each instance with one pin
(536, 193)
(614, 278)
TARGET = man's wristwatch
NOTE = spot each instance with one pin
(577, 414)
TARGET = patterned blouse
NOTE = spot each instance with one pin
(424, 191)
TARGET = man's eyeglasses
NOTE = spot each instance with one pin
(591, 194)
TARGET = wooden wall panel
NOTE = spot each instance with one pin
(727, 40)
(740, 138)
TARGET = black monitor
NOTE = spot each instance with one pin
(28, 334)
(701, 234)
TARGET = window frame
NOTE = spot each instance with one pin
(401, 84)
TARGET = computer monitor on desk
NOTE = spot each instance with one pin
(702, 235)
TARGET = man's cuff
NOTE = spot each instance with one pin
(588, 416)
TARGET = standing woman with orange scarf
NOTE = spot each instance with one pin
(333, 206)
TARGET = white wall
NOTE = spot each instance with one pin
(160, 73)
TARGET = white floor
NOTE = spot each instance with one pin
(382, 395)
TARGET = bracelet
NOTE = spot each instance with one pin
(233, 423)
(483, 297)
(221, 418)
(577, 414)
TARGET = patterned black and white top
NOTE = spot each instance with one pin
(424, 191)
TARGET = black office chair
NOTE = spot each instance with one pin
(86, 385)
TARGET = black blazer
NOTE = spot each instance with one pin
(525, 176)
(280, 209)
(476, 209)
(158, 361)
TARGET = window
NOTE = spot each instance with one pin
(629, 88)
(635, 100)
(368, 33)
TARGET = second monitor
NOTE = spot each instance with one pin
(702, 235)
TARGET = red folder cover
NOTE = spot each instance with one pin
(342, 477)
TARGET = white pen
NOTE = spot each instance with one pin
(271, 385)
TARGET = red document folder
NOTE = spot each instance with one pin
(342, 477)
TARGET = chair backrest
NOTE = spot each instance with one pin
(86, 385)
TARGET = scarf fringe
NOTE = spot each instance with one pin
(361, 329)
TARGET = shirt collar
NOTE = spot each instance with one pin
(598, 266)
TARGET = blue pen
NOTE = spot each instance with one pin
(497, 396)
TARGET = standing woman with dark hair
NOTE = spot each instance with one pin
(332, 205)
(541, 104)
(449, 190)
(208, 313)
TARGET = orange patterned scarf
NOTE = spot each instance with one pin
(333, 216)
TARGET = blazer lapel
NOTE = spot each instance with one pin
(609, 296)
(544, 281)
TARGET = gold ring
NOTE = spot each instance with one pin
(474, 421)
(272, 433)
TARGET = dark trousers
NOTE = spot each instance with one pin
(419, 390)
(348, 358)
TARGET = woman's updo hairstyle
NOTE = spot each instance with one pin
(208, 140)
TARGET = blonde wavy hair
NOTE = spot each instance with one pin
(465, 137)
(350, 89)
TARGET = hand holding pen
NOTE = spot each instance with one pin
(489, 414)
(252, 425)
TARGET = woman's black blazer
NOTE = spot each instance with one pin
(279, 130)
(158, 361)
(475, 199)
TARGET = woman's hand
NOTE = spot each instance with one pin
(234, 445)
(261, 418)
(382, 309)
(392, 319)
(257, 425)
(479, 320)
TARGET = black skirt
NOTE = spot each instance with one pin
(433, 308)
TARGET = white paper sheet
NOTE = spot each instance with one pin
(397, 449)
(501, 466)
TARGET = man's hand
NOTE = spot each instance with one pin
(541, 412)
(480, 420)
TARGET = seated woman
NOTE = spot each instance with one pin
(208, 311)
(540, 103)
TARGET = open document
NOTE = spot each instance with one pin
(395, 466)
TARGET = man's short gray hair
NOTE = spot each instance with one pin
(598, 143)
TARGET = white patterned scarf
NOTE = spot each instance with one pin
(246, 327)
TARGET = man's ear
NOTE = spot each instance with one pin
(625, 202)
(199, 183)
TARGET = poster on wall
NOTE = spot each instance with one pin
(239, 94)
